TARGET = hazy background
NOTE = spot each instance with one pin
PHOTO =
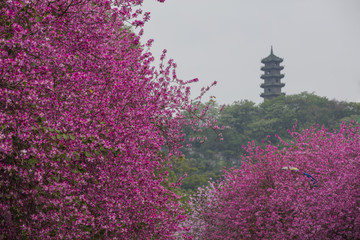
(225, 41)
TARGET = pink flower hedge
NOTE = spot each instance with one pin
(307, 189)
(86, 123)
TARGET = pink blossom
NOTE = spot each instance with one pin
(87, 123)
(306, 190)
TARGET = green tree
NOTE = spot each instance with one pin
(247, 122)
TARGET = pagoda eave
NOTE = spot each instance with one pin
(267, 76)
(265, 60)
(266, 68)
(271, 94)
(266, 85)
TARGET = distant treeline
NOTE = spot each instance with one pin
(261, 123)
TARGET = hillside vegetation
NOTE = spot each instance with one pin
(246, 122)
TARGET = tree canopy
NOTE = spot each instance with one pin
(92, 137)
(306, 189)
(247, 122)
(87, 124)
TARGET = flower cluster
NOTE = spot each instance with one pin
(86, 123)
(305, 189)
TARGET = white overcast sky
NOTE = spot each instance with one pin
(225, 41)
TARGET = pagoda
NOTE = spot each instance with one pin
(272, 77)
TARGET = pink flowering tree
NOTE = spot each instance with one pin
(87, 125)
(306, 189)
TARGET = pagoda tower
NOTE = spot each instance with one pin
(272, 77)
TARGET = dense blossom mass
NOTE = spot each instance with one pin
(88, 128)
(306, 189)
(86, 123)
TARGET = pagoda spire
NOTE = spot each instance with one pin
(271, 50)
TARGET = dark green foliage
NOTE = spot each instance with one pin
(248, 121)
